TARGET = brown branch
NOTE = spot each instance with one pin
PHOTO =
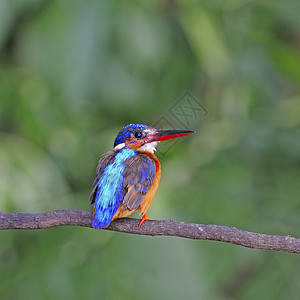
(155, 227)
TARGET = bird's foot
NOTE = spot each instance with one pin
(144, 218)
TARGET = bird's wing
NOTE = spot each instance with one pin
(104, 161)
(139, 175)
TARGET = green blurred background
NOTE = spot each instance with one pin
(72, 73)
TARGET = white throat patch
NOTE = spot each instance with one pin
(150, 147)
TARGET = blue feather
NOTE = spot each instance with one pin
(110, 185)
(147, 174)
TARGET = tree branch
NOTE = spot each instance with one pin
(153, 227)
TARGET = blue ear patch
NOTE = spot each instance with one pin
(124, 134)
(110, 185)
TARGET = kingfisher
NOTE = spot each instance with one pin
(128, 175)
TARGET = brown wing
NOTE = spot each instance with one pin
(139, 175)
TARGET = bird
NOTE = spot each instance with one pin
(129, 174)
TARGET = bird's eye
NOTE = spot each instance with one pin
(139, 134)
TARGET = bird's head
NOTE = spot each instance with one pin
(145, 138)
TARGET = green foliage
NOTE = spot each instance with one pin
(72, 73)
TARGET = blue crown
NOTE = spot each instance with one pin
(124, 134)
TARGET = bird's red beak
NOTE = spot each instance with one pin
(164, 135)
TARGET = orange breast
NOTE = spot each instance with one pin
(150, 195)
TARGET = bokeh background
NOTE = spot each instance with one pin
(73, 72)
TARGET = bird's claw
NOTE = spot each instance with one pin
(144, 218)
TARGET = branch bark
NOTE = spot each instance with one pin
(154, 228)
